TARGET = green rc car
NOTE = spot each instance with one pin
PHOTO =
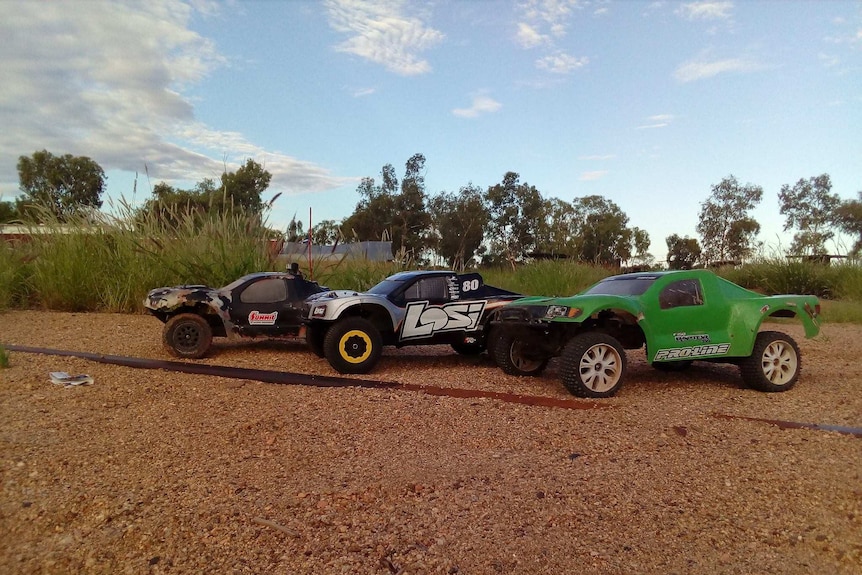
(680, 316)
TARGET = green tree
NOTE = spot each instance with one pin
(557, 231)
(726, 229)
(682, 253)
(459, 221)
(604, 235)
(810, 208)
(848, 218)
(387, 212)
(8, 212)
(411, 218)
(244, 187)
(326, 233)
(64, 185)
(240, 190)
(515, 212)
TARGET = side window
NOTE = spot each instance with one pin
(431, 289)
(681, 293)
(270, 290)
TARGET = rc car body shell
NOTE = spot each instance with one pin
(408, 308)
(677, 315)
(260, 304)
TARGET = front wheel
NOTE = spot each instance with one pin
(517, 357)
(774, 364)
(187, 335)
(353, 345)
(593, 365)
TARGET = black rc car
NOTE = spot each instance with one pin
(266, 304)
(408, 308)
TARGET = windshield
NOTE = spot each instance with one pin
(622, 286)
(385, 287)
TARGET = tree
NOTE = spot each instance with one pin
(557, 232)
(326, 233)
(727, 231)
(8, 212)
(605, 237)
(459, 221)
(515, 213)
(64, 185)
(848, 217)
(385, 212)
(239, 190)
(411, 221)
(244, 187)
(682, 253)
(809, 207)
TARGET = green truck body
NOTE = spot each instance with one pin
(680, 316)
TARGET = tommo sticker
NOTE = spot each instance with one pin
(422, 320)
(258, 318)
(682, 336)
(692, 352)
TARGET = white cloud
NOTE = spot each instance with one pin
(593, 176)
(528, 37)
(702, 69)
(542, 23)
(481, 105)
(107, 80)
(706, 10)
(561, 63)
(598, 157)
(382, 34)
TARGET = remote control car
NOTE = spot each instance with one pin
(680, 316)
(350, 329)
(265, 304)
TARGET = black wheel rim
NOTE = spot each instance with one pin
(187, 337)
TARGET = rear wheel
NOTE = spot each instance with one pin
(187, 335)
(314, 336)
(593, 365)
(774, 364)
(353, 345)
(517, 357)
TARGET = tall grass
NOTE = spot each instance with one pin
(551, 278)
(13, 275)
(780, 276)
(110, 264)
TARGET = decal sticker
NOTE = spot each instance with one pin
(692, 352)
(682, 336)
(423, 320)
(258, 318)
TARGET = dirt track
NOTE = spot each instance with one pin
(157, 472)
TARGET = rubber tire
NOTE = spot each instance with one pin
(601, 350)
(314, 337)
(672, 366)
(359, 333)
(508, 357)
(468, 348)
(775, 363)
(187, 335)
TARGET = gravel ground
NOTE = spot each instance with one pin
(157, 472)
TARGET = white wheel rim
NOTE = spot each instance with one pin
(601, 368)
(779, 362)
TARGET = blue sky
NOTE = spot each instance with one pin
(648, 104)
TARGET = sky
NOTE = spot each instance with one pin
(648, 104)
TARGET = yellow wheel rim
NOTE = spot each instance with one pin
(355, 346)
